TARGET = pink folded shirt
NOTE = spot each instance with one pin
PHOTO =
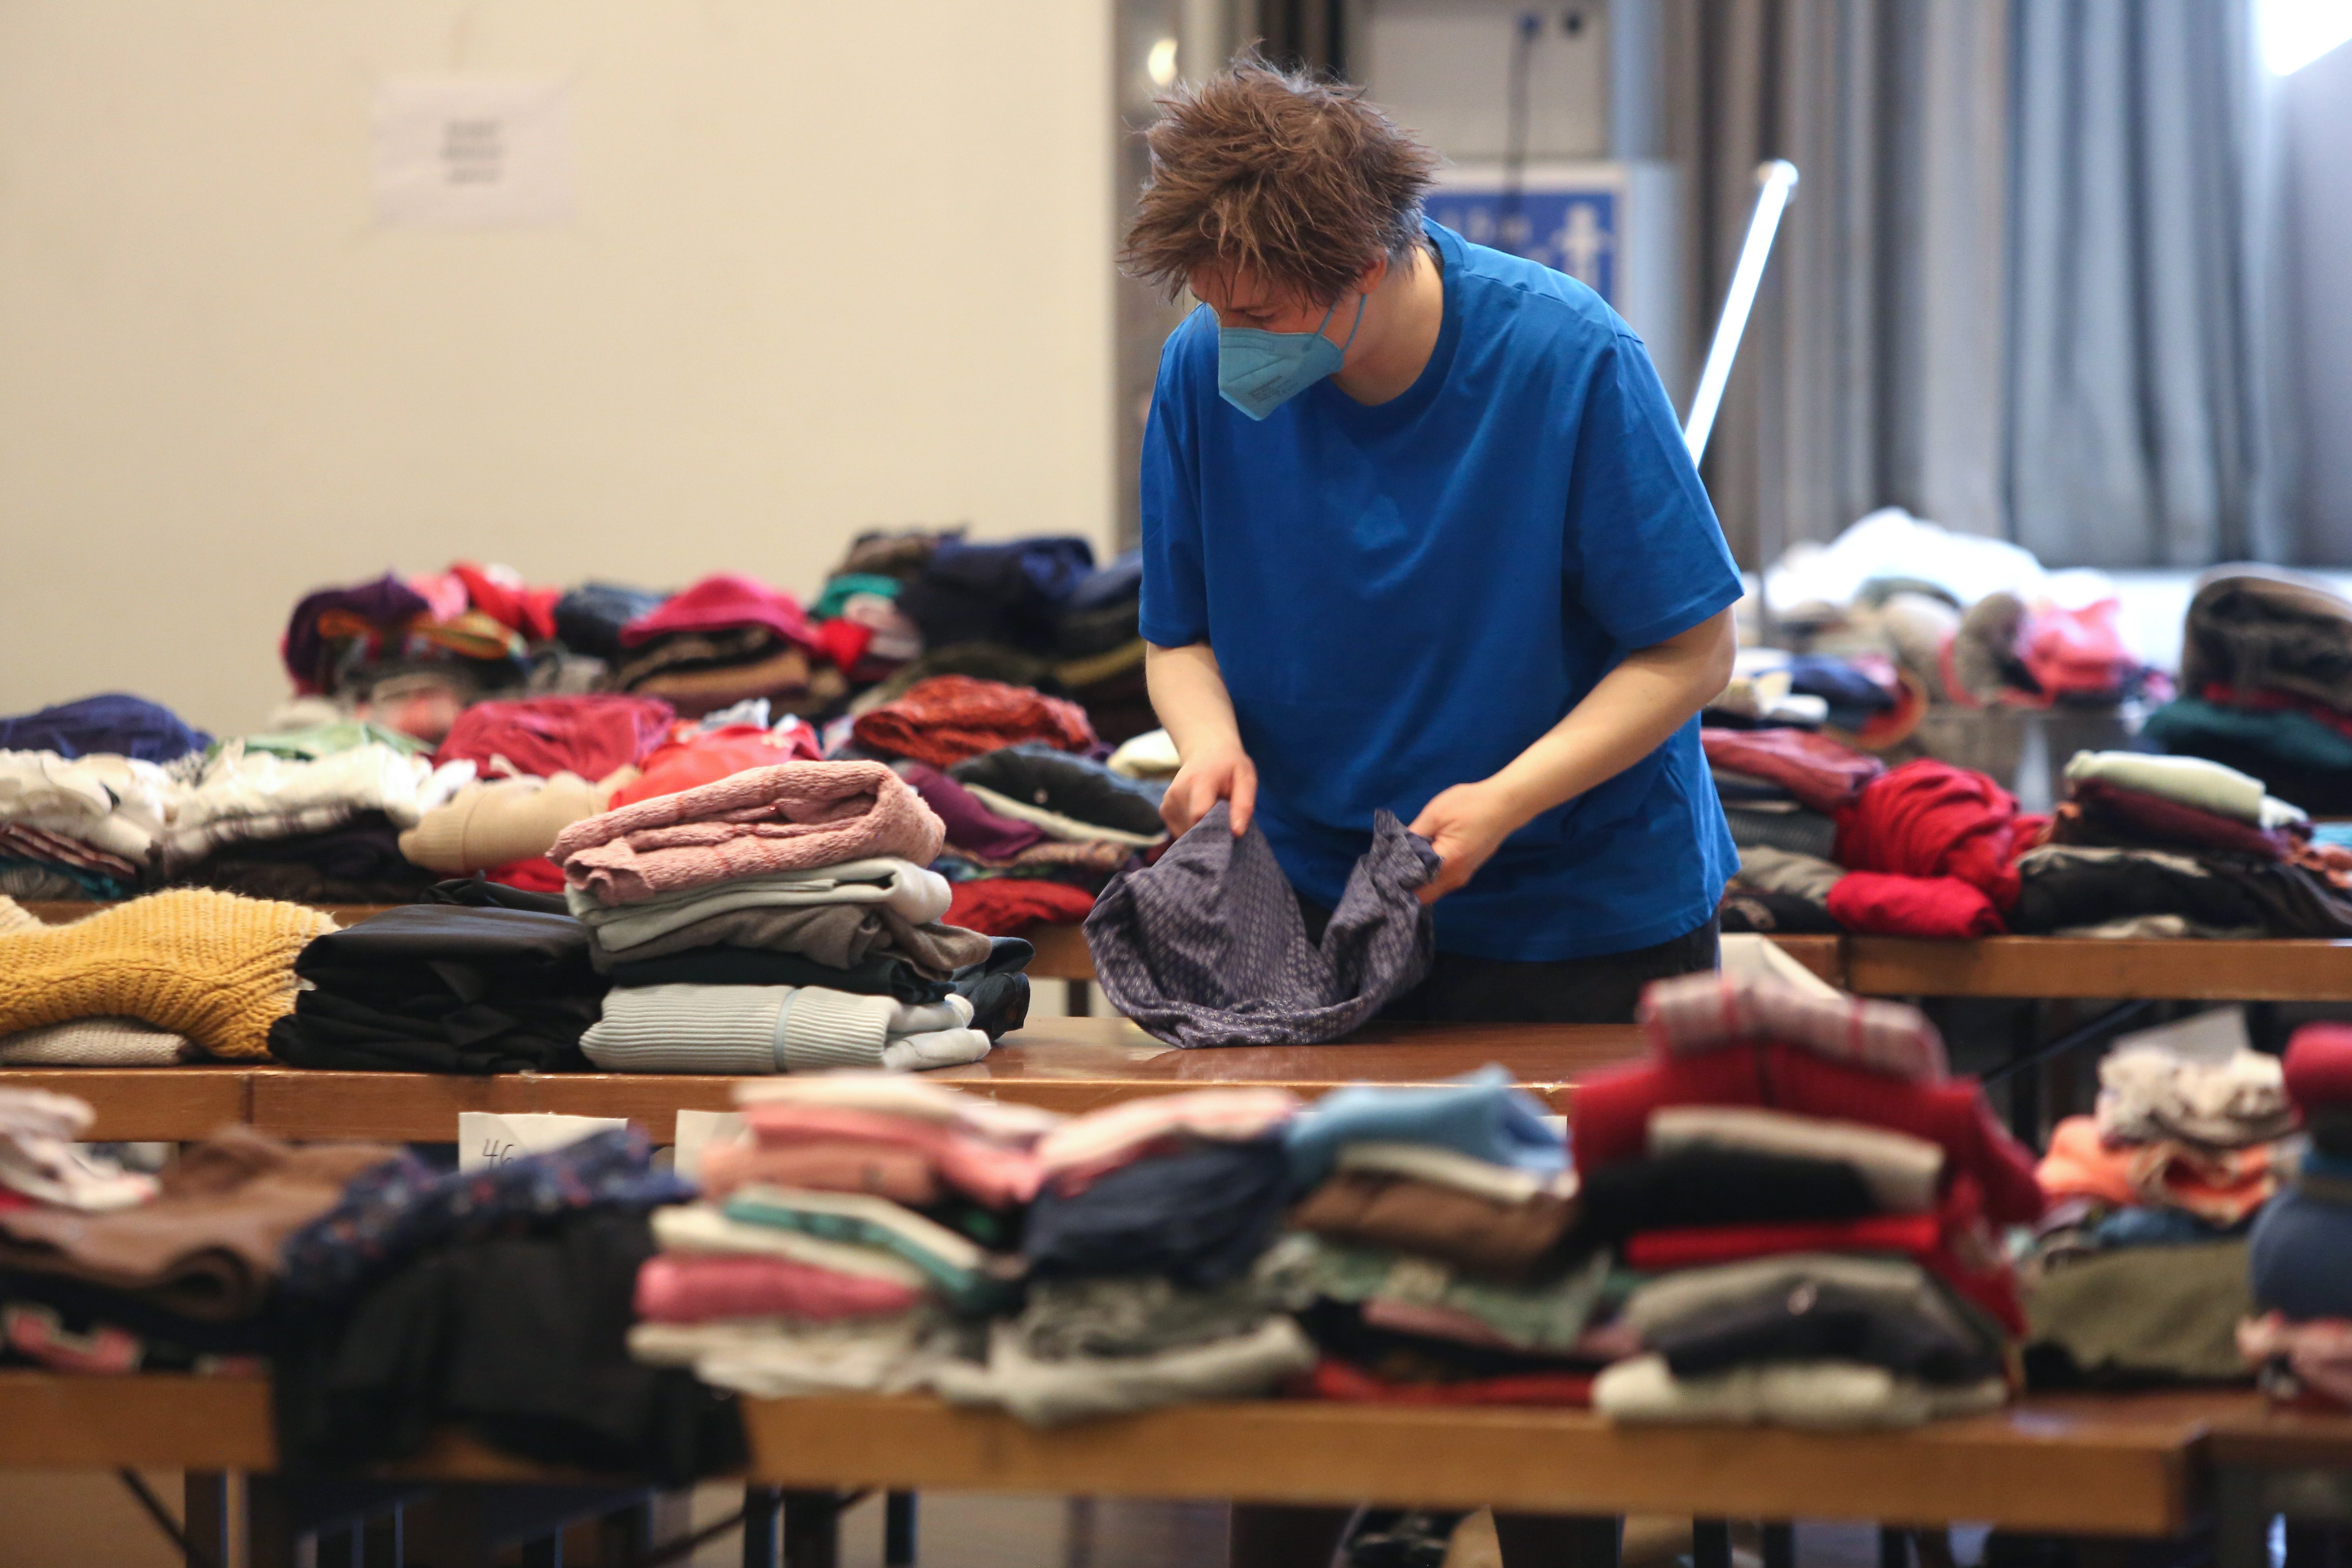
(793, 816)
(696, 1287)
(986, 1173)
(1085, 1147)
(902, 1175)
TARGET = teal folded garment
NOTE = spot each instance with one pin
(838, 591)
(2294, 738)
(970, 1279)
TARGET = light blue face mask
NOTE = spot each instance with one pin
(1258, 371)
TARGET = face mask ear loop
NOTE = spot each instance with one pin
(1353, 328)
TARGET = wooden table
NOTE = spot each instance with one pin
(1063, 1064)
(2111, 1465)
(2269, 1462)
(2087, 968)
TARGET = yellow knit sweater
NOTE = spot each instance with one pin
(215, 967)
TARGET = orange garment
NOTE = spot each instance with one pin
(693, 756)
(2221, 1185)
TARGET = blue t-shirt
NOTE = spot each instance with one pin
(1404, 598)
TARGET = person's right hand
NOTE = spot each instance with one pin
(1221, 773)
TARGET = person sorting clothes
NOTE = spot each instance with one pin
(1421, 533)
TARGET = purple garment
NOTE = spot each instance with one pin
(1207, 947)
(387, 603)
(112, 722)
(970, 825)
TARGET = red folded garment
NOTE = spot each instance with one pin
(1953, 1244)
(1610, 1112)
(844, 642)
(1011, 906)
(537, 875)
(695, 756)
(592, 735)
(1818, 771)
(1339, 1380)
(1928, 818)
(499, 593)
(949, 718)
(1879, 905)
(726, 599)
(2319, 1067)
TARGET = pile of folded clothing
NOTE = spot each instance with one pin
(474, 978)
(1784, 787)
(2172, 845)
(103, 1271)
(497, 1301)
(321, 825)
(79, 828)
(1866, 696)
(1140, 1245)
(783, 918)
(727, 639)
(412, 653)
(1035, 832)
(2302, 1342)
(1436, 1259)
(855, 1216)
(2138, 1271)
(151, 981)
(1808, 1195)
(2266, 684)
(543, 763)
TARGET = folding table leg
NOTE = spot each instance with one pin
(759, 1506)
(812, 1530)
(1710, 1543)
(898, 1530)
(1078, 1001)
(1894, 1548)
(1779, 1546)
(204, 1518)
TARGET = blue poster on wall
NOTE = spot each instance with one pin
(1572, 231)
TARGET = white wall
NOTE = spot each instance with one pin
(835, 265)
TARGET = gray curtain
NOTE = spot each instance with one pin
(2139, 286)
(1871, 373)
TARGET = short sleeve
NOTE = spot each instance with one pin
(1642, 535)
(1175, 594)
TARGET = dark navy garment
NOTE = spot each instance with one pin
(111, 722)
(1403, 597)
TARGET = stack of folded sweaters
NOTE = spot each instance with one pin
(2155, 846)
(2301, 1257)
(2266, 683)
(475, 977)
(1808, 1194)
(1149, 1219)
(782, 918)
(873, 1233)
(857, 1214)
(110, 1272)
(2138, 1271)
(1435, 1258)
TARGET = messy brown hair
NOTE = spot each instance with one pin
(1279, 173)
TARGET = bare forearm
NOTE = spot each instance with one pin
(1628, 714)
(1187, 692)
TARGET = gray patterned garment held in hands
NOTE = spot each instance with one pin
(1208, 947)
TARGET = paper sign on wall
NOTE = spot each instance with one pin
(473, 153)
(485, 1138)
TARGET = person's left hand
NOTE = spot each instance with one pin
(1465, 825)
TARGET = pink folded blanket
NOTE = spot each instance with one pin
(789, 818)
